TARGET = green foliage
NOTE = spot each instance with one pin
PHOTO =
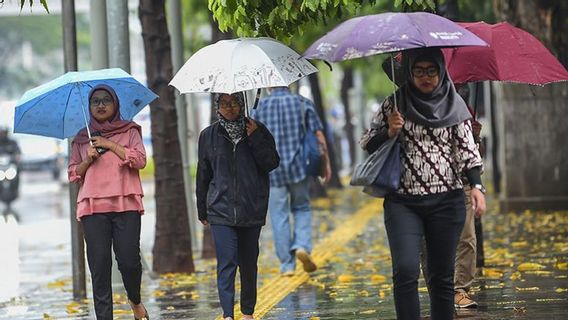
(195, 18)
(279, 19)
(476, 10)
(415, 5)
(23, 2)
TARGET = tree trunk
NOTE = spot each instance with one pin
(346, 84)
(208, 249)
(172, 242)
(316, 93)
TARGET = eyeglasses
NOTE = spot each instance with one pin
(106, 101)
(419, 72)
(229, 105)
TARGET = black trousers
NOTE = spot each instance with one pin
(236, 247)
(439, 219)
(122, 232)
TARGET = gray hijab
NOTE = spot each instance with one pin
(440, 109)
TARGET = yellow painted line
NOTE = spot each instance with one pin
(277, 288)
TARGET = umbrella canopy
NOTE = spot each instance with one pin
(389, 32)
(230, 66)
(59, 108)
(514, 55)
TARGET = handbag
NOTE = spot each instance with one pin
(380, 172)
(311, 154)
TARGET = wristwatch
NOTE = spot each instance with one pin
(479, 187)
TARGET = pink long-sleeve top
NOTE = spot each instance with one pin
(110, 184)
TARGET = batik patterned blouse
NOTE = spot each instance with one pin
(433, 159)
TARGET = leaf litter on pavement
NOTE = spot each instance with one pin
(526, 271)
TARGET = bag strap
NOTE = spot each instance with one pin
(304, 129)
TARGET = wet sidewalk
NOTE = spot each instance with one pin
(526, 274)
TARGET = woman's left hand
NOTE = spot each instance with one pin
(102, 142)
(251, 126)
(478, 202)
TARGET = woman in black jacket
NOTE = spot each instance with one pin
(235, 156)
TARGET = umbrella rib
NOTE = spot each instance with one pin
(65, 110)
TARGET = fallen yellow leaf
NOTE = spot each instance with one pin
(562, 266)
(492, 273)
(378, 278)
(363, 293)
(159, 293)
(345, 278)
(72, 308)
(528, 289)
(57, 284)
(529, 266)
(541, 273)
(560, 290)
(121, 311)
(519, 244)
(368, 311)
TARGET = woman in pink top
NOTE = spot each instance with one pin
(109, 204)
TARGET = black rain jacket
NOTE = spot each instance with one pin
(232, 179)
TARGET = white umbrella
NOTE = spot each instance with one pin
(229, 66)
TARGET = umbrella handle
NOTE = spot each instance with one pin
(393, 81)
(476, 93)
(257, 99)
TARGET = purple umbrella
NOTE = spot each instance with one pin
(389, 32)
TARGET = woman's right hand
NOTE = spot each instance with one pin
(92, 154)
(395, 123)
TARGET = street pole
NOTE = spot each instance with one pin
(98, 25)
(118, 35)
(175, 28)
(77, 245)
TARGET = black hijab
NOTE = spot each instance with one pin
(440, 109)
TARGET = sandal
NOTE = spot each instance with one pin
(145, 317)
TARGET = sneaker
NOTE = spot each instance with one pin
(306, 259)
(463, 300)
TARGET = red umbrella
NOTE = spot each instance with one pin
(513, 55)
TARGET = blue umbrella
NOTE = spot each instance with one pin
(60, 108)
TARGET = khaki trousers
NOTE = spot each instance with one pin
(466, 251)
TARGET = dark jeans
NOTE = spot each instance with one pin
(439, 218)
(122, 232)
(236, 247)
